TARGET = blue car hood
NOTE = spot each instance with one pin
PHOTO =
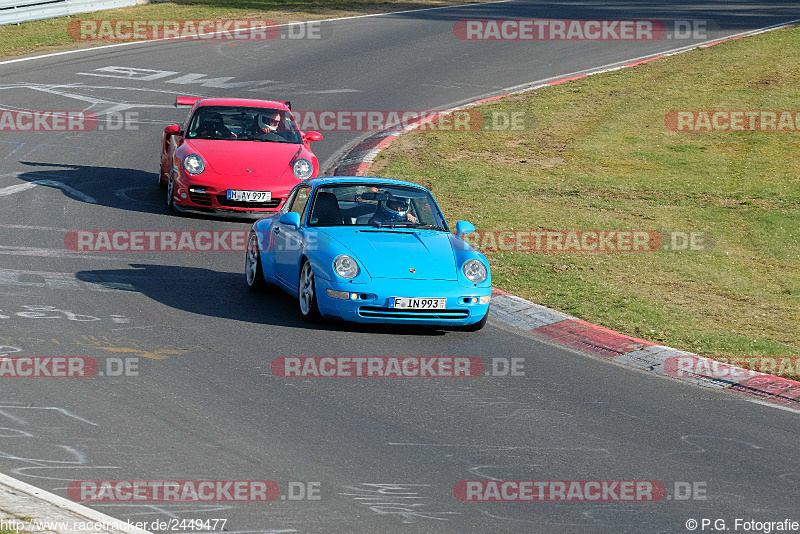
(394, 253)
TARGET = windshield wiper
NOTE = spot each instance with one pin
(406, 224)
(427, 226)
(278, 141)
(381, 224)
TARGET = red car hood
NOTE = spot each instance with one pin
(234, 158)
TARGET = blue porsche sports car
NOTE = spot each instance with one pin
(370, 250)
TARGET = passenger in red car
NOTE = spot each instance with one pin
(213, 127)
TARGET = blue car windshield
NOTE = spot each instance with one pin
(239, 123)
(375, 205)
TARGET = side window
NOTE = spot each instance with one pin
(193, 122)
(288, 202)
(300, 200)
(187, 122)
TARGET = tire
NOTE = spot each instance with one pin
(474, 327)
(160, 181)
(307, 294)
(254, 272)
(171, 192)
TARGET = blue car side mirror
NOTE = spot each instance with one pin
(290, 219)
(464, 227)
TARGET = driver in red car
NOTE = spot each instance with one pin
(267, 123)
(393, 209)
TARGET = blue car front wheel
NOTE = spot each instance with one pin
(307, 294)
(252, 267)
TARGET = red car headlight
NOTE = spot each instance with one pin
(194, 164)
(302, 169)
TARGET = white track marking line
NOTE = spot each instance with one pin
(12, 189)
(53, 54)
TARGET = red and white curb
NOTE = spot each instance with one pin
(569, 331)
(566, 330)
(41, 511)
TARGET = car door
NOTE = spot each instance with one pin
(289, 241)
(170, 143)
(269, 238)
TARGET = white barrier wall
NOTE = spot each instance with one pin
(14, 11)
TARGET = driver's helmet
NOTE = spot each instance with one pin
(269, 121)
(394, 208)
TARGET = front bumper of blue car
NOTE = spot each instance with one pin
(373, 302)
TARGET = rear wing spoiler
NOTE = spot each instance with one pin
(190, 101)
(186, 100)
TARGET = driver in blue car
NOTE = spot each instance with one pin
(393, 209)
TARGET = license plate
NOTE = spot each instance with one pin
(417, 303)
(249, 196)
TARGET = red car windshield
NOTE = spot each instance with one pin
(237, 123)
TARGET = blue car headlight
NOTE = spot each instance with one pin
(194, 164)
(345, 266)
(475, 271)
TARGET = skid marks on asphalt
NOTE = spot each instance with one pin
(46, 326)
(27, 447)
(26, 344)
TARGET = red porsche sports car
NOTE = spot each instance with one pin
(234, 156)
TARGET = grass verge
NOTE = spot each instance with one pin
(600, 157)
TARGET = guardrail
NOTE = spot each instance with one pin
(16, 11)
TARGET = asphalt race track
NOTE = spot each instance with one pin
(201, 403)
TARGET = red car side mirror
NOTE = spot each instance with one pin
(172, 129)
(312, 136)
